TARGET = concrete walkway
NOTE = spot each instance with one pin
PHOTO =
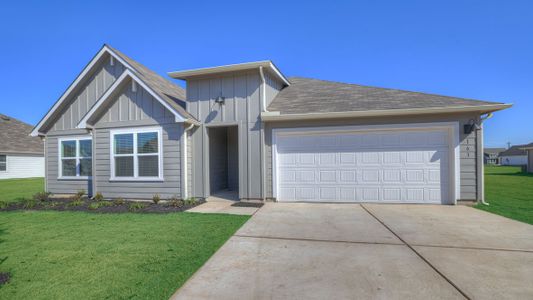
(347, 251)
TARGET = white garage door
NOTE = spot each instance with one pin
(354, 166)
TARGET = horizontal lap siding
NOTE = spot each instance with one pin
(23, 166)
(468, 164)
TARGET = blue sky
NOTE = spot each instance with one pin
(473, 49)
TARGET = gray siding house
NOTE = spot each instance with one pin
(247, 132)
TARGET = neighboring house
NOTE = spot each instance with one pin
(124, 131)
(514, 156)
(21, 156)
(491, 156)
(529, 149)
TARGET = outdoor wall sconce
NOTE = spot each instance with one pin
(220, 100)
(471, 126)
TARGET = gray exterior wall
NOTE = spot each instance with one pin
(272, 87)
(130, 110)
(242, 108)
(468, 161)
(233, 159)
(530, 160)
(64, 125)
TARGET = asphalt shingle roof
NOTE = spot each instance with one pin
(514, 151)
(173, 94)
(15, 137)
(306, 95)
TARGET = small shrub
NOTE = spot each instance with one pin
(52, 204)
(93, 206)
(136, 206)
(119, 201)
(3, 204)
(81, 193)
(98, 197)
(42, 196)
(156, 198)
(175, 202)
(190, 201)
(28, 203)
(76, 202)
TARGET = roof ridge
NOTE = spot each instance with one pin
(389, 89)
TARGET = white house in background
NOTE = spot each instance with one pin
(514, 156)
(21, 156)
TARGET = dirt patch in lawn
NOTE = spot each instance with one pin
(103, 206)
(4, 277)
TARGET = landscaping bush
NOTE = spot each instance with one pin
(81, 193)
(96, 205)
(3, 204)
(76, 202)
(28, 203)
(52, 204)
(156, 198)
(136, 206)
(119, 201)
(42, 196)
(190, 201)
(98, 197)
(175, 202)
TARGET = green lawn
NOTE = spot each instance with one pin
(16, 189)
(75, 255)
(509, 193)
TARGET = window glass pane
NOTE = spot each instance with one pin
(3, 163)
(148, 166)
(86, 148)
(2, 158)
(124, 166)
(124, 143)
(86, 167)
(69, 167)
(147, 142)
(68, 148)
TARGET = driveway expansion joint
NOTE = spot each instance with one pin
(418, 254)
(316, 240)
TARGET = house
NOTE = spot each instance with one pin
(249, 132)
(514, 156)
(529, 149)
(21, 156)
(491, 156)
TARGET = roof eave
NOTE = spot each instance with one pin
(277, 116)
(186, 74)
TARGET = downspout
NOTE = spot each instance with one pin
(185, 193)
(262, 132)
(482, 119)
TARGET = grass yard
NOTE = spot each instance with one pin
(16, 189)
(509, 193)
(75, 255)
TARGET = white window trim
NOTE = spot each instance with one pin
(78, 157)
(135, 155)
(4, 171)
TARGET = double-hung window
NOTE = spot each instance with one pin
(136, 154)
(3, 163)
(75, 157)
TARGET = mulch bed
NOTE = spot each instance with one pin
(104, 206)
(4, 277)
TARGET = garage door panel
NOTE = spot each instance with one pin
(399, 166)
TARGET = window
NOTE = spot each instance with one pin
(75, 159)
(3, 163)
(136, 154)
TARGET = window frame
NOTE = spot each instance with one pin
(135, 154)
(4, 171)
(60, 157)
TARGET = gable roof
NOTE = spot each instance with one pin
(514, 151)
(172, 95)
(15, 137)
(527, 147)
(313, 96)
(493, 150)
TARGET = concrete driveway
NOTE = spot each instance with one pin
(348, 251)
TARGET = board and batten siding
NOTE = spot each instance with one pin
(468, 150)
(242, 107)
(23, 166)
(136, 110)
